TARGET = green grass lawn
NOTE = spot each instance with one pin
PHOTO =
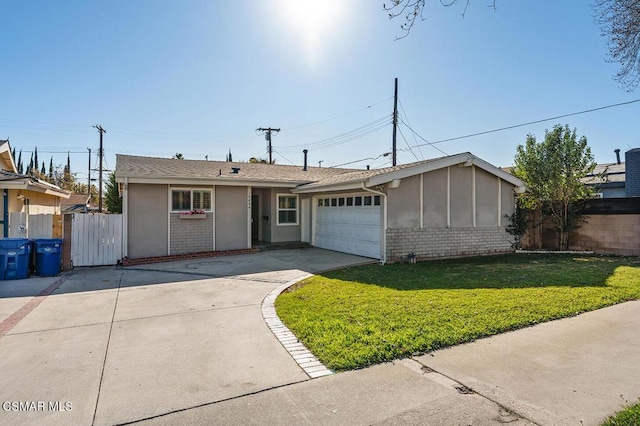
(630, 416)
(355, 317)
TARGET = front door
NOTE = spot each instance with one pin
(255, 217)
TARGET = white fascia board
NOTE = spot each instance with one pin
(465, 158)
(49, 191)
(328, 188)
(508, 177)
(210, 182)
(419, 169)
(28, 186)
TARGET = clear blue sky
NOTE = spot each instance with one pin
(198, 77)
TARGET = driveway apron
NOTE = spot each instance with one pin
(121, 345)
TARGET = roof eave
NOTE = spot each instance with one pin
(221, 181)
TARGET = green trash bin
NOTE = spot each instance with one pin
(48, 256)
(15, 254)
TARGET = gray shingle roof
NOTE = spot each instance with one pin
(165, 168)
(161, 168)
(612, 172)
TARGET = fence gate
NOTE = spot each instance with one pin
(96, 239)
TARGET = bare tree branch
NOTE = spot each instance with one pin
(619, 22)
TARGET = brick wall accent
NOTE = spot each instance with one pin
(608, 234)
(439, 243)
(157, 259)
(190, 235)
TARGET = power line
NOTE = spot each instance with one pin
(290, 162)
(427, 142)
(405, 141)
(339, 116)
(406, 117)
(386, 154)
(348, 136)
(528, 123)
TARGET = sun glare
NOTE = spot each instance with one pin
(313, 22)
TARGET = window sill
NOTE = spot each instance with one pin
(193, 216)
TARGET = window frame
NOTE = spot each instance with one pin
(278, 210)
(191, 199)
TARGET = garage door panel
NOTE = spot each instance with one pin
(349, 229)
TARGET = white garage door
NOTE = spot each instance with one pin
(350, 224)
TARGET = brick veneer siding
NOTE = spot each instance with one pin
(438, 243)
(190, 235)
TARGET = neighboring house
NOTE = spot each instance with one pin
(445, 207)
(77, 203)
(22, 193)
(620, 179)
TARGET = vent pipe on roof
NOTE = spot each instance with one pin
(305, 151)
(235, 170)
(368, 167)
(617, 151)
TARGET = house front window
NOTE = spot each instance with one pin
(287, 209)
(190, 199)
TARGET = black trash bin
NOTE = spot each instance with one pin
(48, 256)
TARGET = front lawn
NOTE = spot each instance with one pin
(629, 416)
(355, 317)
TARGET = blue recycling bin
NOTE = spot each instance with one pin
(48, 255)
(15, 254)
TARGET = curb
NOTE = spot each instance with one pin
(299, 352)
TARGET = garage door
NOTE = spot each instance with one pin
(350, 224)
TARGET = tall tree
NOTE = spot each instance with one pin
(35, 158)
(229, 157)
(19, 165)
(51, 170)
(43, 171)
(619, 22)
(553, 171)
(178, 156)
(112, 198)
(13, 155)
(30, 166)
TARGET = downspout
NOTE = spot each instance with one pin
(384, 220)
(5, 213)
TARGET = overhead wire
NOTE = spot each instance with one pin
(427, 142)
(404, 115)
(338, 116)
(405, 141)
(528, 123)
(344, 137)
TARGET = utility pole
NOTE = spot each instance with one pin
(89, 177)
(268, 131)
(100, 156)
(394, 157)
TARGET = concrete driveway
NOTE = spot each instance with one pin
(111, 346)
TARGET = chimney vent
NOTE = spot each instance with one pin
(617, 151)
(235, 170)
(305, 151)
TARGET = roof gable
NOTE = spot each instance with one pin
(378, 177)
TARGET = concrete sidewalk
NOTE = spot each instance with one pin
(185, 343)
(574, 371)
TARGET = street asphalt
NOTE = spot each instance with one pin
(186, 343)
